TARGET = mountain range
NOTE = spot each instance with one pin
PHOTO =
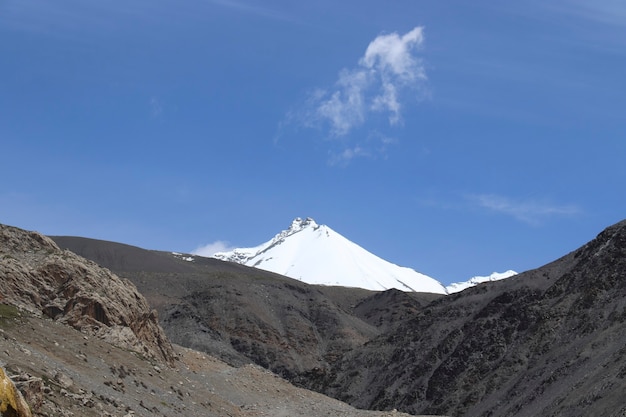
(78, 340)
(318, 255)
(548, 342)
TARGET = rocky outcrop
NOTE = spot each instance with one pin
(12, 403)
(37, 276)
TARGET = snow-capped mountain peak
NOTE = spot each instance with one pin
(298, 224)
(244, 255)
(316, 254)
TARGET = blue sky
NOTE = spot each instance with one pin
(457, 138)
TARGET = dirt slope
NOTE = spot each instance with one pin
(63, 372)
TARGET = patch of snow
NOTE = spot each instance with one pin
(496, 276)
(183, 257)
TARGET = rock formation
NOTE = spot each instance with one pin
(37, 276)
(12, 403)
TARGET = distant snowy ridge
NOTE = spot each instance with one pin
(316, 254)
(460, 286)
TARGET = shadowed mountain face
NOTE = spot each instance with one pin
(548, 342)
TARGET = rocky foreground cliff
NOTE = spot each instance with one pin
(39, 277)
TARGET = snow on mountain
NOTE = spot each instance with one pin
(316, 254)
(460, 286)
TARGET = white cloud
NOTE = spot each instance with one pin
(528, 211)
(212, 248)
(345, 107)
(388, 100)
(391, 55)
(156, 107)
(251, 8)
(373, 146)
(389, 73)
(388, 67)
(346, 155)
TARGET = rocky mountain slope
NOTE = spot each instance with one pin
(77, 340)
(547, 342)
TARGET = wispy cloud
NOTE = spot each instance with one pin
(345, 156)
(595, 24)
(529, 211)
(388, 67)
(248, 8)
(603, 11)
(385, 77)
(211, 249)
(156, 107)
(373, 146)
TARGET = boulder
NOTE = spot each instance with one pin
(37, 276)
(12, 403)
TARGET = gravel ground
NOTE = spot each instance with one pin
(66, 373)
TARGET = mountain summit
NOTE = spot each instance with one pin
(316, 254)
